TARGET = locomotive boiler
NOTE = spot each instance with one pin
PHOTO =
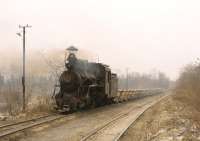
(85, 84)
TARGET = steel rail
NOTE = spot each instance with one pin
(118, 117)
(9, 129)
(20, 122)
(137, 118)
(12, 128)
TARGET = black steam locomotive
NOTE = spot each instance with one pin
(85, 84)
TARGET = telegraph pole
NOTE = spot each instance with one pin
(24, 63)
(127, 79)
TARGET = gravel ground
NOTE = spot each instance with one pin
(77, 125)
(169, 120)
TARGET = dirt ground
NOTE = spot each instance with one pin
(168, 120)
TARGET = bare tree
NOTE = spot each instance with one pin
(141, 81)
(187, 86)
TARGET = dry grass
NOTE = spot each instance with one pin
(35, 104)
(12, 100)
(187, 91)
(188, 86)
(41, 104)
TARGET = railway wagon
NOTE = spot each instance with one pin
(85, 84)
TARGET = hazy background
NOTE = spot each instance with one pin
(142, 35)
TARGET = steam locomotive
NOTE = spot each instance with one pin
(85, 84)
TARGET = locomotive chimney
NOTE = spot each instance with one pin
(71, 59)
(72, 50)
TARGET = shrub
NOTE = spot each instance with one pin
(188, 86)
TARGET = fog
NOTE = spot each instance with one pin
(143, 36)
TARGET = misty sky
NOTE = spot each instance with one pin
(143, 35)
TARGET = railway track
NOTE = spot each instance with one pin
(96, 131)
(9, 129)
(103, 133)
